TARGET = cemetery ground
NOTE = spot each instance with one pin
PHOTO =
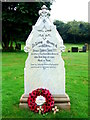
(76, 70)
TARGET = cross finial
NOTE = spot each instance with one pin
(43, 7)
(44, 12)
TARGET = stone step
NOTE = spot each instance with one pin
(61, 100)
(25, 95)
(23, 105)
(65, 106)
(23, 100)
(56, 100)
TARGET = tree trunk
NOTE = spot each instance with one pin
(6, 45)
(11, 45)
(5, 42)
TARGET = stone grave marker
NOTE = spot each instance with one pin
(74, 49)
(84, 48)
(86, 44)
(44, 67)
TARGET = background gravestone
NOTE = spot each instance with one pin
(84, 48)
(74, 49)
(44, 67)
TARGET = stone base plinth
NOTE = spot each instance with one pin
(62, 101)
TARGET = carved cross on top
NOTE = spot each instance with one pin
(44, 12)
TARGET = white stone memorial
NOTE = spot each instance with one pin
(44, 67)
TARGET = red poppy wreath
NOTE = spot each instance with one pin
(40, 100)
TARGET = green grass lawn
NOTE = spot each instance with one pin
(76, 65)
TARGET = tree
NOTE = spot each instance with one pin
(17, 20)
(62, 28)
(83, 31)
(73, 31)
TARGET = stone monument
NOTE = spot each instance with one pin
(44, 67)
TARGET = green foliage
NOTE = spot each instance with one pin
(17, 19)
(73, 32)
(76, 67)
(62, 28)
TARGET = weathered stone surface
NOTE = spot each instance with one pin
(25, 95)
(65, 106)
(23, 100)
(23, 105)
(57, 100)
(61, 100)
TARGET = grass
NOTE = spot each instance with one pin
(76, 67)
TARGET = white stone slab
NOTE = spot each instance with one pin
(44, 67)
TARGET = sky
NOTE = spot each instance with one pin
(69, 10)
